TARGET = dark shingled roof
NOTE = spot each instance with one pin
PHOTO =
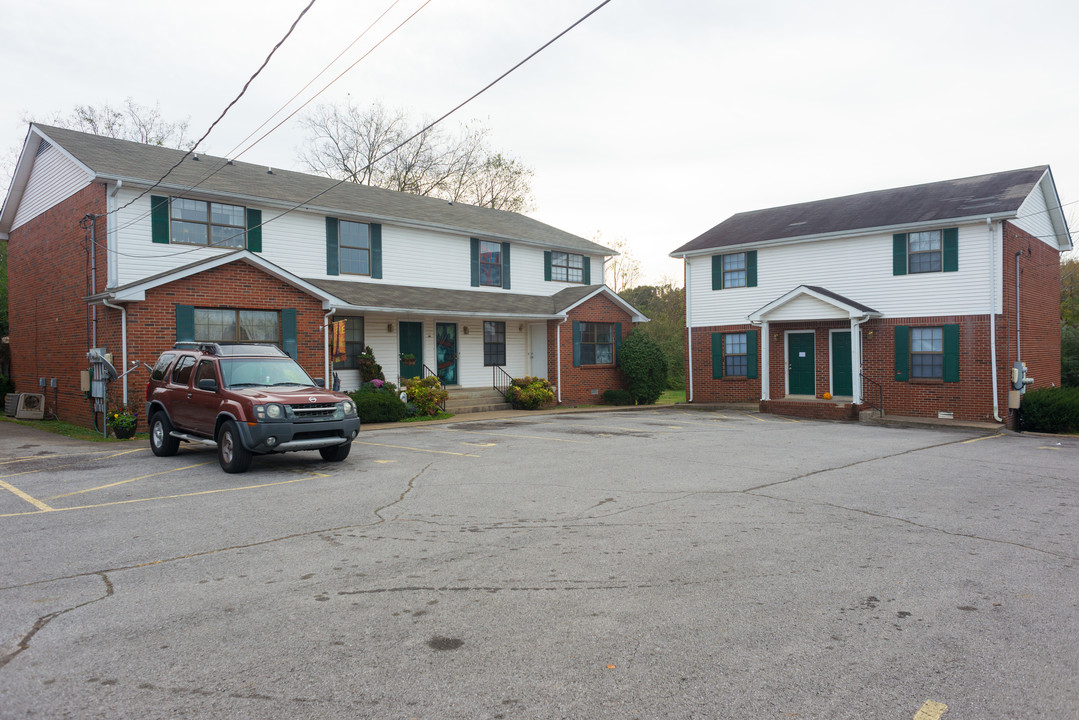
(139, 163)
(840, 298)
(495, 304)
(982, 195)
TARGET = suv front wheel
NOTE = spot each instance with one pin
(161, 442)
(231, 453)
(335, 453)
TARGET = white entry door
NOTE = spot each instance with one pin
(537, 344)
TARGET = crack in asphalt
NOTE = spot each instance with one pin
(410, 488)
(44, 620)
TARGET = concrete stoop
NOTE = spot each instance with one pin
(474, 400)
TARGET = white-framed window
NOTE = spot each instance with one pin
(567, 267)
(354, 248)
(198, 222)
(925, 252)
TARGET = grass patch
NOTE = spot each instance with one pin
(76, 432)
(425, 418)
(670, 397)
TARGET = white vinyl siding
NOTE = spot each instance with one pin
(1033, 217)
(857, 268)
(297, 243)
(54, 178)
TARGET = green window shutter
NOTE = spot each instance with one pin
(576, 344)
(254, 230)
(547, 266)
(717, 272)
(587, 275)
(505, 266)
(617, 341)
(159, 219)
(751, 353)
(899, 254)
(951, 249)
(717, 356)
(376, 250)
(902, 353)
(185, 323)
(475, 262)
(951, 353)
(331, 247)
(288, 331)
(751, 268)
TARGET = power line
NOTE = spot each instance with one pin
(227, 108)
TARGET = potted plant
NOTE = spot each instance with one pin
(408, 359)
(123, 423)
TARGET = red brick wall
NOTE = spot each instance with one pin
(1039, 306)
(49, 269)
(728, 389)
(48, 279)
(578, 383)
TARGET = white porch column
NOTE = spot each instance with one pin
(856, 360)
(765, 372)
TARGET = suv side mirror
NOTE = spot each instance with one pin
(320, 382)
(208, 384)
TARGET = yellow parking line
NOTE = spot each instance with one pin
(170, 497)
(123, 482)
(527, 437)
(931, 711)
(53, 456)
(405, 447)
(752, 416)
(60, 467)
(19, 493)
(987, 437)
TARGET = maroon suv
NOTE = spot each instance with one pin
(245, 400)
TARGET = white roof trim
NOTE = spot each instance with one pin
(804, 291)
(137, 292)
(637, 316)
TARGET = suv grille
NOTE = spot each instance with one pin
(313, 411)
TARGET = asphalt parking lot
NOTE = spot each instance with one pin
(666, 563)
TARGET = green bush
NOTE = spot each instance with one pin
(426, 394)
(530, 393)
(378, 405)
(1069, 356)
(369, 369)
(1050, 410)
(644, 366)
(618, 397)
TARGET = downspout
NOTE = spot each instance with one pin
(123, 340)
(689, 329)
(993, 315)
(326, 347)
(558, 354)
(1018, 347)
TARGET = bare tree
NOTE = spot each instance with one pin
(621, 271)
(376, 146)
(140, 123)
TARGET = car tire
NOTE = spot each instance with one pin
(161, 442)
(335, 453)
(231, 453)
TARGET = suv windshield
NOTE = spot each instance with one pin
(252, 372)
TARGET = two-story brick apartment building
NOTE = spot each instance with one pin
(102, 255)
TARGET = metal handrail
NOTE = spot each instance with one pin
(501, 380)
(879, 407)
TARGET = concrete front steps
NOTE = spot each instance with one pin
(474, 400)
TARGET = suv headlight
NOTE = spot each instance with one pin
(270, 411)
(349, 407)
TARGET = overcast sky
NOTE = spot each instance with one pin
(650, 122)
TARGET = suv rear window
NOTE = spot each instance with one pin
(162, 365)
(181, 374)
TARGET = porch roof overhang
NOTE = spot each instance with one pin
(809, 302)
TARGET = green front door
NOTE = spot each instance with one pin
(842, 374)
(410, 342)
(446, 352)
(801, 368)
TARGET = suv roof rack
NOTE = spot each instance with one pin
(221, 349)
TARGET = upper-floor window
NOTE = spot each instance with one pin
(734, 270)
(490, 263)
(567, 267)
(198, 222)
(355, 248)
(924, 251)
(230, 325)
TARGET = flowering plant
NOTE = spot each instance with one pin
(123, 422)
